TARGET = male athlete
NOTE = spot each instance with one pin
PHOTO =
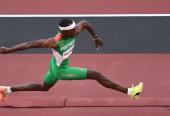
(62, 45)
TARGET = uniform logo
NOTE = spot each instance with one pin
(62, 44)
(67, 46)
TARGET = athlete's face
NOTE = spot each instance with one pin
(69, 33)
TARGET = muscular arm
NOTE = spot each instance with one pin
(42, 43)
(85, 25)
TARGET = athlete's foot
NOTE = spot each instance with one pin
(134, 92)
(3, 93)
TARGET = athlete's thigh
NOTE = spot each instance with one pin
(50, 79)
(46, 86)
(94, 75)
(72, 73)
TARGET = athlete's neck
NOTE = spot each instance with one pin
(66, 37)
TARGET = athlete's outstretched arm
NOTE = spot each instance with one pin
(85, 25)
(42, 43)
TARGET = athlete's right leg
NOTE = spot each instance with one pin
(49, 81)
(31, 87)
(5, 90)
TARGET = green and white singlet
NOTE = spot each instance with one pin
(59, 64)
(64, 48)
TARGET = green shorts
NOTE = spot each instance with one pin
(63, 72)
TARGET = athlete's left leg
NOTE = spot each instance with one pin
(75, 73)
(133, 92)
(105, 81)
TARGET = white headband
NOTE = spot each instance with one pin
(72, 26)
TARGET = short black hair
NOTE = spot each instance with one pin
(65, 22)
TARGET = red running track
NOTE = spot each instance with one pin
(88, 97)
(84, 6)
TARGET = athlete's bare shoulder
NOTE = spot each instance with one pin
(44, 43)
(51, 42)
(82, 25)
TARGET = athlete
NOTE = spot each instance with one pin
(62, 45)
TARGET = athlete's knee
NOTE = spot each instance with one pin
(94, 75)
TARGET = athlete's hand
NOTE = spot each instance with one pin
(98, 42)
(3, 50)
